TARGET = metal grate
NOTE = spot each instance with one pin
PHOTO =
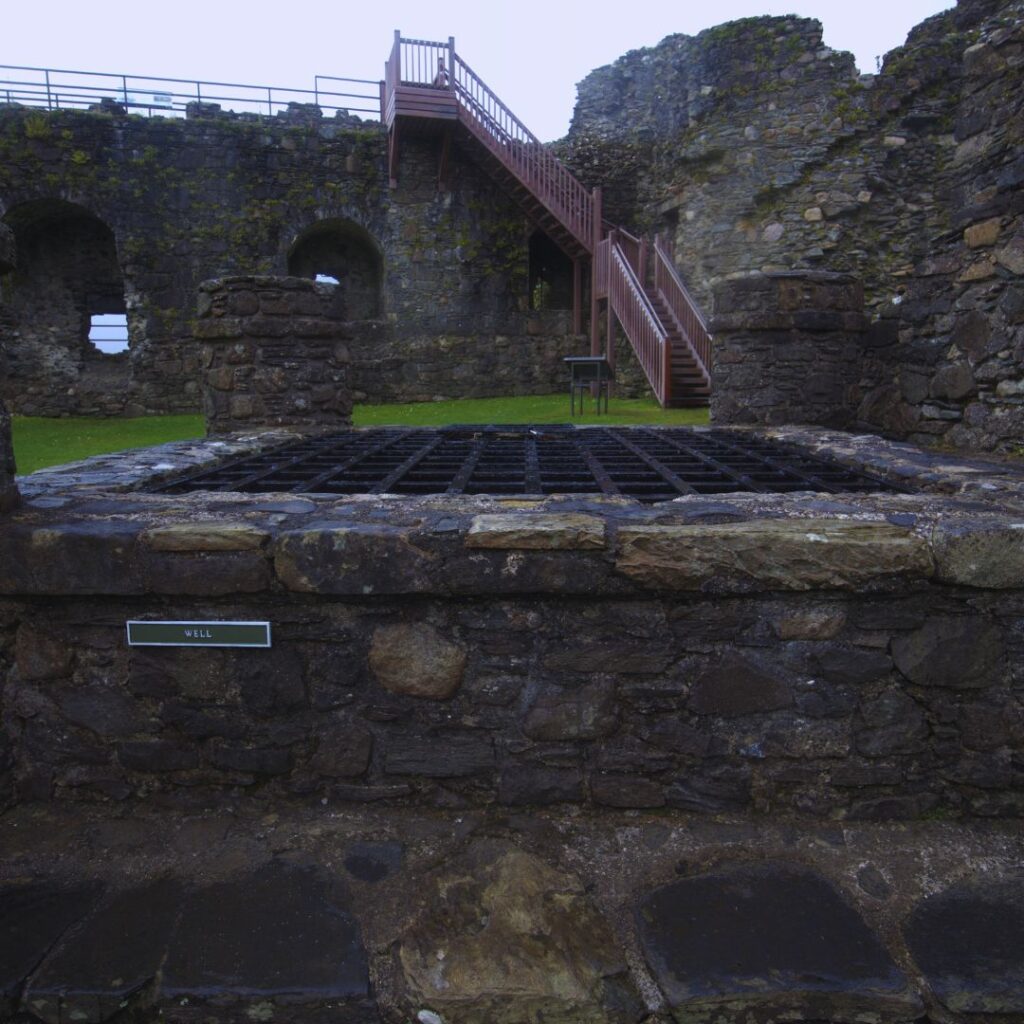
(648, 465)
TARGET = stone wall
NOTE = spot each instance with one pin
(8, 488)
(758, 148)
(787, 348)
(514, 759)
(162, 204)
(274, 353)
(855, 659)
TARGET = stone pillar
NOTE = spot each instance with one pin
(8, 488)
(786, 348)
(274, 353)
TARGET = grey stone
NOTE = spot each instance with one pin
(280, 931)
(526, 784)
(964, 652)
(766, 941)
(584, 713)
(968, 941)
(441, 756)
(738, 685)
(32, 919)
(110, 956)
(373, 861)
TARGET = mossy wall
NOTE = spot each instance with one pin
(758, 148)
(213, 196)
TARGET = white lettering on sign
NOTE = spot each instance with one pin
(199, 634)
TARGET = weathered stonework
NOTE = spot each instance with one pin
(437, 280)
(511, 757)
(274, 353)
(758, 148)
(8, 488)
(787, 349)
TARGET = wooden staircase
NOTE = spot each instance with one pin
(689, 387)
(429, 88)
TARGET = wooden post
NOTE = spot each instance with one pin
(595, 316)
(610, 343)
(451, 63)
(577, 296)
(641, 270)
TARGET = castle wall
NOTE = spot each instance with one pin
(758, 148)
(153, 207)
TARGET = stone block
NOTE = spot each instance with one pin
(965, 652)
(540, 531)
(500, 936)
(768, 941)
(968, 941)
(441, 756)
(99, 966)
(738, 685)
(583, 713)
(34, 918)
(415, 660)
(771, 555)
(279, 931)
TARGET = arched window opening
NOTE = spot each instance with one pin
(550, 274)
(341, 253)
(66, 296)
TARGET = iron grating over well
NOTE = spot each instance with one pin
(634, 462)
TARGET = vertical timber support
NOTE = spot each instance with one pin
(577, 296)
(393, 155)
(595, 310)
(443, 165)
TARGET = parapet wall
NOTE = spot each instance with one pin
(274, 353)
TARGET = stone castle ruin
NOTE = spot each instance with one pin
(751, 145)
(552, 753)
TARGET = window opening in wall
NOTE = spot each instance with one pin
(342, 253)
(108, 332)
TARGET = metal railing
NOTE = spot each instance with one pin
(62, 89)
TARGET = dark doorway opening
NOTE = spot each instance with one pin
(550, 274)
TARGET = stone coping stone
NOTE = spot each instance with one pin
(86, 528)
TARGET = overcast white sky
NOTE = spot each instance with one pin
(531, 52)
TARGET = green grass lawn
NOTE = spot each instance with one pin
(40, 442)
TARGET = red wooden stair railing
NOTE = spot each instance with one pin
(429, 80)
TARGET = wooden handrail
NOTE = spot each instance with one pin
(494, 124)
(640, 322)
(691, 324)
